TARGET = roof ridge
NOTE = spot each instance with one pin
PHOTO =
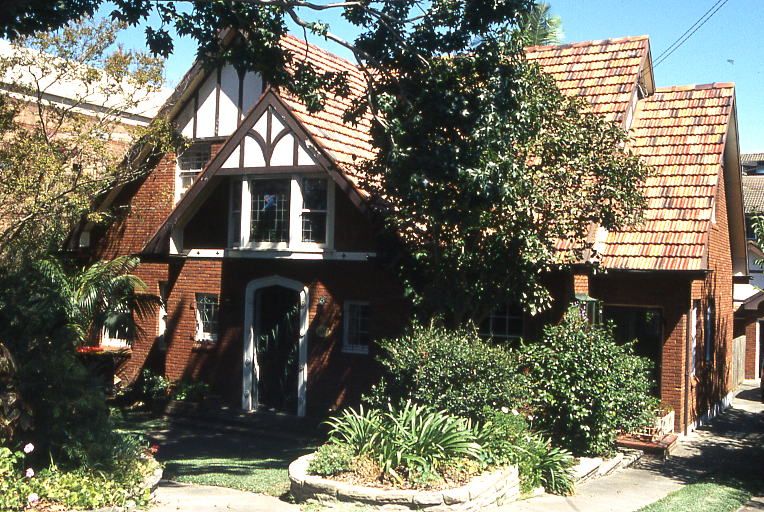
(319, 49)
(695, 87)
(593, 42)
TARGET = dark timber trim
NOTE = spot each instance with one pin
(213, 172)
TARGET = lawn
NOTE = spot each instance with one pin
(254, 462)
(709, 497)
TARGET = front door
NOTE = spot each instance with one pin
(277, 334)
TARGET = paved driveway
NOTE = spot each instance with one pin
(731, 447)
(175, 497)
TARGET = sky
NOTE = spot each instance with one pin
(729, 47)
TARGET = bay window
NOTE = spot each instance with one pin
(292, 213)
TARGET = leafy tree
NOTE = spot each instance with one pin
(487, 176)
(491, 177)
(103, 295)
(539, 27)
(56, 156)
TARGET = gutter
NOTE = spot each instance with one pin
(687, 369)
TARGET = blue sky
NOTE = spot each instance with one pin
(728, 48)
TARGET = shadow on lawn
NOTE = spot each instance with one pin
(730, 450)
(189, 449)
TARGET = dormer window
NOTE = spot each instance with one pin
(190, 164)
(290, 213)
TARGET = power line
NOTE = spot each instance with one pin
(689, 32)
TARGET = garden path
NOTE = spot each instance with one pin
(732, 446)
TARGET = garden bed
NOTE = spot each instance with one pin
(484, 491)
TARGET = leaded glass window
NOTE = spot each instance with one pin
(270, 210)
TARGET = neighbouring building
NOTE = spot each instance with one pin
(749, 299)
(259, 242)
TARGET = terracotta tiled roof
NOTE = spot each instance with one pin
(348, 145)
(680, 132)
(751, 158)
(605, 73)
(753, 193)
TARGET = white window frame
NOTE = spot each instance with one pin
(201, 334)
(186, 173)
(347, 346)
(113, 342)
(294, 243)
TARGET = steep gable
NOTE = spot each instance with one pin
(681, 133)
(605, 73)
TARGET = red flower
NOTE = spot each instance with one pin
(154, 448)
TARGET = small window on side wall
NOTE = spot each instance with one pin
(709, 329)
(207, 308)
(355, 339)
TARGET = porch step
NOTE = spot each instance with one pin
(273, 424)
(660, 448)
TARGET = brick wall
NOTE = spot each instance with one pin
(670, 293)
(751, 342)
(334, 377)
(712, 379)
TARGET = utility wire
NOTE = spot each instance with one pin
(689, 32)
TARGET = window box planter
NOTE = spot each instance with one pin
(482, 492)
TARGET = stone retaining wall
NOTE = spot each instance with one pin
(483, 492)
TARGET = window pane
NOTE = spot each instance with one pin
(503, 323)
(194, 158)
(235, 212)
(207, 316)
(314, 194)
(358, 326)
(270, 211)
(314, 227)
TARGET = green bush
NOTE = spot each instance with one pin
(152, 387)
(586, 387)
(331, 459)
(80, 488)
(409, 443)
(189, 391)
(506, 439)
(453, 371)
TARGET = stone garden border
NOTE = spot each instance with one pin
(482, 492)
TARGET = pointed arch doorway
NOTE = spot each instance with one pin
(275, 369)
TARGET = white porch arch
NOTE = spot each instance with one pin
(251, 370)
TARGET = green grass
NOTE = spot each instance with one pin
(709, 497)
(237, 459)
(241, 474)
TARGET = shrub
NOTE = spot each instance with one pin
(453, 371)
(189, 391)
(331, 459)
(409, 443)
(506, 439)
(586, 387)
(153, 387)
(81, 488)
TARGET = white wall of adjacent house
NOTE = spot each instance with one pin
(219, 104)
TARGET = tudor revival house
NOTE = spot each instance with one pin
(258, 241)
